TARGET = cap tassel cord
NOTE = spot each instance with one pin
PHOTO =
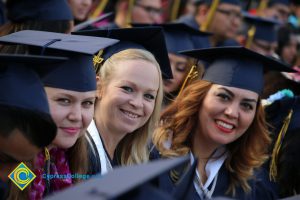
(276, 149)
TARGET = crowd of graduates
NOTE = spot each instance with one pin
(198, 99)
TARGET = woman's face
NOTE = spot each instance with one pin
(289, 51)
(72, 112)
(127, 100)
(226, 114)
(80, 8)
(179, 71)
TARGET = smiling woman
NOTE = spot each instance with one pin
(220, 121)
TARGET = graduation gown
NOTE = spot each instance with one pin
(98, 155)
(259, 188)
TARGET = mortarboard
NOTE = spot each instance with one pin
(265, 29)
(278, 110)
(77, 74)
(148, 38)
(130, 182)
(179, 36)
(237, 66)
(24, 10)
(22, 88)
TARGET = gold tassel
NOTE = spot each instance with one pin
(262, 5)
(99, 9)
(47, 154)
(128, 15)
(276, 149)
(175, 10)
(250, 36)
(193, 73)
(210, 15)
(97, 60)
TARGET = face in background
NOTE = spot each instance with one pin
(80, 8)
(147, 11)
(179, 70)
(278, 11)
(289, 51)
(127, 100)
(72, 112)
(225, 114)
(227, 21)
(264, 47)
(16, 147)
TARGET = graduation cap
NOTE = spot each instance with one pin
(284, 116)
(237, 66)
(21, 87)
(77, 74)
(24, 10)
(147, 38)
(262, 29)
(180, 37)
(130, 182)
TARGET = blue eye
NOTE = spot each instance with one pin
(88, 103)
(63, 101)
(127, 89)
(149, 96)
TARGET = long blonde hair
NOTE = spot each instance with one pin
(133, 148)
(245, 154)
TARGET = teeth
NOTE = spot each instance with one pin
(131, 115)
(223, 124)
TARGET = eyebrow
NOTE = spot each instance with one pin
(232, 95)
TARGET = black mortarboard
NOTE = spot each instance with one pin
(21, 88)
(236, 66)
(149, 38)
(279, 110)
(131, 182)
(77, 74)
(179, 36)
(24, 10)
(265, 29)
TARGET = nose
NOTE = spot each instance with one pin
(232, 111)
(137, 101)
(75, 113)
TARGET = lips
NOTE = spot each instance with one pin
(70, 130)
(130, 114)
(225, 127)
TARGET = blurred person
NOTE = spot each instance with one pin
(80, 9)
(278, 9)
(224, 24)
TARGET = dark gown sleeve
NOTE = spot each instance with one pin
(4, 190)
(94, 159)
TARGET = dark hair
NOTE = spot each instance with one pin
(38, 128)
(284, 37)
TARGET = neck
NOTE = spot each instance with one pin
(109, 137)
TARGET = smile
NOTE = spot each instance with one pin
(130, 114)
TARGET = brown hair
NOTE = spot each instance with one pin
(245, 154)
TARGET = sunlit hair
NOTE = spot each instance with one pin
(133, 147)
(180, 118)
